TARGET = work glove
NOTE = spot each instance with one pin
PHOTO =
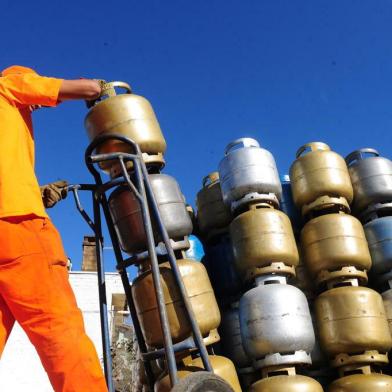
(54, 192)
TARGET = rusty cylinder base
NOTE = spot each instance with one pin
(251, 199)
(277, 359)
(347, 272)
(273, 268)
(324, 203)
(151, 160)
(367, 357)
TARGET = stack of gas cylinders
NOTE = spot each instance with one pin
(267, 327)
(132, 116)
(351, 321)
(290, 266)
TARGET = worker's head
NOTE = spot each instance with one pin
(16, 69)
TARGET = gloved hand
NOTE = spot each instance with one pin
(54, 192)
(102, 84)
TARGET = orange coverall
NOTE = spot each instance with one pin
(34, 287)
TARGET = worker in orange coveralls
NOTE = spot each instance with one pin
(34, 287)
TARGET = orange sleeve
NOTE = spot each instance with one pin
(30, 89)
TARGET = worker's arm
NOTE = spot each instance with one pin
(29, 89)
(86, 89)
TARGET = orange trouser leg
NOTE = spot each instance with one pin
(36, 290)
(7, 321)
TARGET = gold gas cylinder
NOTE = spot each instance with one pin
(362, 379)
(335, 246)
(213, 216)
(263, 242)
(319, 177)
(352, 326)
(222, 367)
(387, 299)
(128, 115)
(362, 383)
(200, 292)
(290, 382)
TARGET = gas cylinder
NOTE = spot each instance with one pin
(387, 299)
(128, 220)
(381, 282)
(362, 383)
(231, 342)
(199, 291)
(128, 115)
(213, 216)
(196, 251)
(352, 325)
(361, 379)
(287, 204)
(319, 177)
(379, 237)
(263, 238)
(371, 177)
(219, 261)
(222, 367)
(295, 383)
(276, 326)
(247, 170)
(334, 245)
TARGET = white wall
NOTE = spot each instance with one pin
(20, 367)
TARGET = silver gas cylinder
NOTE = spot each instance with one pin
(379, 237)
(231, 341)
(248, 173)
(371, 177)
(276, 325)
(127, 215)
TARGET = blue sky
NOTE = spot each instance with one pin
(284, 72)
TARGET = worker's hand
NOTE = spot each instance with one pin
(54, 192)
(91, 102)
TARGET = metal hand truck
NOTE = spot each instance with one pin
(140, 186)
